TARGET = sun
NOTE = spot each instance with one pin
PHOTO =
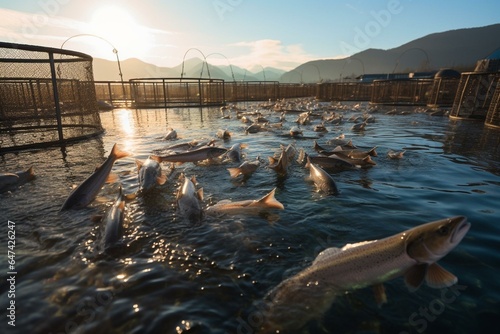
(119, 28)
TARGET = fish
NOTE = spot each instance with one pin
(354, 153)
(149, 174)
(320, 128)
(295, 131)
(281, 164)
(254, 128)
(234, 153)
(358, 162)
(171, 134)
(113, 221)
(188, 200)
(359, 127)
(323, 181)
(246, 168)
(329, 162)
(12, 180)
(257, 206)
(395, 155)
(87, 191)
(204, 153)
(412, 253)
(223, 134)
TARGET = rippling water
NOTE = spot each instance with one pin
(168, 276)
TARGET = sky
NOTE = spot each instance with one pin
(251, 34)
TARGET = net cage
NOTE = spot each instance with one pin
(47, 97)
(474, 95)
(401, 91)
(493, 116)
(177, 92)
(345, 91)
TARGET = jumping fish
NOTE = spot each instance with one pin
(200, 154)
(246, 206)
(87, 191)
(10, 180)
(189, 200)
(246, 168)
(113, 222)
(412, 253)
(234, 154)
(323, 181)
(149, 174)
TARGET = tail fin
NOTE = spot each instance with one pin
(234, 172)
(270, 201)
(116, 153)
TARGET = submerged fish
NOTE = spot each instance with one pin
(189, 200)
(395, 155)
(113, 222)
(200, 154)
(87, 191)
(223, 134)
(323, 181)
(412, 253)
(11, 180)
(149, 174)
(246, 206)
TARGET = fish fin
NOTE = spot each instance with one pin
(118, 154)
(193, 179)
(369, 160)
(112, 178)
(437, 277)
(337, 149)
(357, 244)
(96, 218)
(415, 276)
(130, 197)
(199, 194)
(270, 201)
(379, 293)
(308, 163)
(234, 172)
(272, 161)
(325, 255)
(373, 152)
(161, 179)
(155, 158)
(139, 164)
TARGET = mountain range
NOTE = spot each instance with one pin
(459, 49)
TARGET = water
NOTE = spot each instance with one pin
(169, 276)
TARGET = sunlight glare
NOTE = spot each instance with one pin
(120, 28)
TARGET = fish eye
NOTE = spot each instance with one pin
(443, 230)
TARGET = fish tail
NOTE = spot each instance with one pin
(234, 172)
(118, 154)
(271, 202)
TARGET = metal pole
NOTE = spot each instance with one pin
(56, 96)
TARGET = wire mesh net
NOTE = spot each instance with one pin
(47, 97)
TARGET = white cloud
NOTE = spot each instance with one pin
(271, 53)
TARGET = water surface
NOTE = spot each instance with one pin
(170, 276)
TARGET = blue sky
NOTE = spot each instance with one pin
(248, 33)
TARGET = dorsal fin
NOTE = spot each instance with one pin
(379, 293)
(139, 164)
(326, 255)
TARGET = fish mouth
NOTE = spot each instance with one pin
(461, 229)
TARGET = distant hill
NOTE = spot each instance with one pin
(459, 49)
(106, 70)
